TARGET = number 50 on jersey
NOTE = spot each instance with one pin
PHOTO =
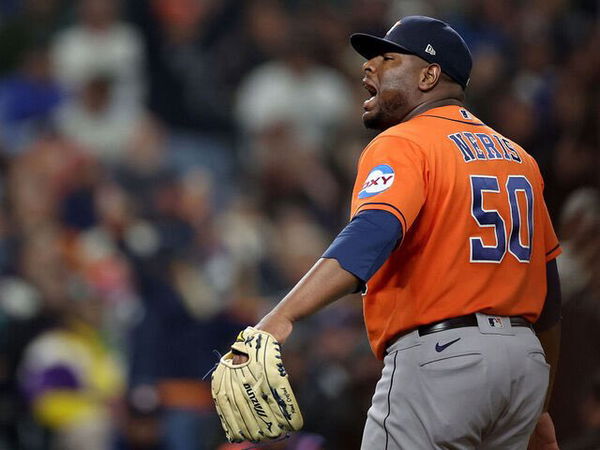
(485, 188)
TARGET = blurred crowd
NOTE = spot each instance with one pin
(170, 168)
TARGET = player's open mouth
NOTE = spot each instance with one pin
(371, 89)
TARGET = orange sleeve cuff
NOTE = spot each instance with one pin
(553, 253)
(383, 207)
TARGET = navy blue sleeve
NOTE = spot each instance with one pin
(551, 313)
(365, 243)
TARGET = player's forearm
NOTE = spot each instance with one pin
(324, 283)
(360, 249)
(550, 340)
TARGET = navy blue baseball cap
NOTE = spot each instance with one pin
(430, 39)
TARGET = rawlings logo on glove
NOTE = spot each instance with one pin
(254, 399)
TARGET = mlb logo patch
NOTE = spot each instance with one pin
(465, 114)
(495, 322)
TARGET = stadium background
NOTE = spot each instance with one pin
(169, 168)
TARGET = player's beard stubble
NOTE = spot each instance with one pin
(390, 109)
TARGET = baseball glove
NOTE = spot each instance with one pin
(254, 399)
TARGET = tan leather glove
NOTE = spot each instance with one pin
(254, 399)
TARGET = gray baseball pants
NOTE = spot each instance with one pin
(464, 388)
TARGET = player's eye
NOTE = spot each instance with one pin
(388, 58)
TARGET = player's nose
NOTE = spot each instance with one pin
(370, 65)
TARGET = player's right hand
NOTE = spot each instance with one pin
(544, 435)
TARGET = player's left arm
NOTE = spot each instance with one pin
(324, 283)
(354, 256)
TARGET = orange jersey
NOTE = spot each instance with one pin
(477, 234)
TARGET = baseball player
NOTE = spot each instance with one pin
(451, 244)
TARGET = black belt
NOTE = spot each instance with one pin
(465, 321)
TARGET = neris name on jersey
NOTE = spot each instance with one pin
(483, 146)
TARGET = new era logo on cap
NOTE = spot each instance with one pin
(429, 49)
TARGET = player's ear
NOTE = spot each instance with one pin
(429, 77)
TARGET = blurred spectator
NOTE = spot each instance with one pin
(39, 178)
(30, 25)
(576, 157)
(99, 126)
(487, 79)
(590, 417)
(580, 225)
(260, 37)
(186, 87)
(297, 242)
(141, 426)
(22, 317)
(71, 378)
(580, 269)
(289, 171)
(339, 370)
(374, 16)
(100, 43)
(28, 97)
(295, 91)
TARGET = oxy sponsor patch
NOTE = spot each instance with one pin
(379, 179)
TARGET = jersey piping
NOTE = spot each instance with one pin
(478, 124)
